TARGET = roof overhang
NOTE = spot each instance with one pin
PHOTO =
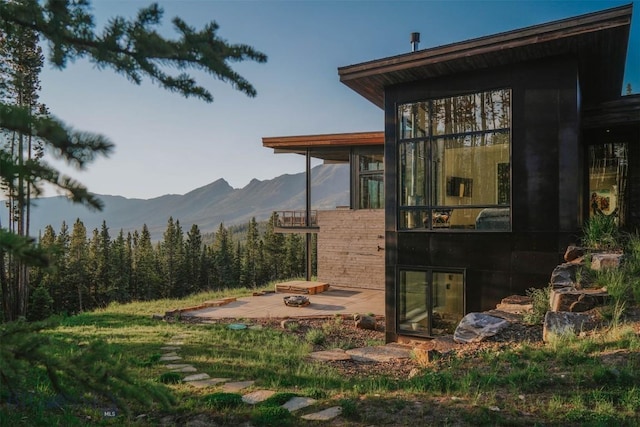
(598, 41)
(624, 111)
(334, 147)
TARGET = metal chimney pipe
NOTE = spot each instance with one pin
(415, 39)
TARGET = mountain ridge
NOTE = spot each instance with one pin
(207, 206)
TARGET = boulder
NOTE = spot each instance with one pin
(561, 322)
(576, 300)
(602, 261)
(573, 253)
(366, 322)
(564, 275)
(476, 327)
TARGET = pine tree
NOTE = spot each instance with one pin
(120, 265)
(48, 277)
(135, 49)
(102, 277)
(193, 261)
(238, 256)
(170, 251)
(132, 47)
(223, 258)
(274, 251)
(58, 274)
(146, 278)
(78, 273)
(250, 265)
(295, 262)
(22, 61)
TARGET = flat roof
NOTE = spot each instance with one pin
(329, 147)
(597, 40)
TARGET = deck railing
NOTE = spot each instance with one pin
(296, 219)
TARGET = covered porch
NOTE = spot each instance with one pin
(350, 239)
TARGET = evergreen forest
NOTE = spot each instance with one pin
(90, 270)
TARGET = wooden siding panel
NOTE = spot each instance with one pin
(351, 248)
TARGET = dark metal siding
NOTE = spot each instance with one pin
(546, 187)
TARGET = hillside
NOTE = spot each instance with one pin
(207, 206)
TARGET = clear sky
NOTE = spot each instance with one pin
(166, 143)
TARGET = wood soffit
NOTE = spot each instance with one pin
(597, 40)
(329, 147)
(326, 140)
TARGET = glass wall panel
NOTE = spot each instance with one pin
(413, 313)
(447, 301)
(608, 165)
(414, 219)
(371, 191)
(413, 120)
(462, 161)
(466, 169)
(371, 162)
(412, 174)
(472, 113)
(368, 179)
(430, 302)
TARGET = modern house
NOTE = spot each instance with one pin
(496, 151)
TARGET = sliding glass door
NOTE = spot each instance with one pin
(430, 302)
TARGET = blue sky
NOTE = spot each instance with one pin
(166, 143)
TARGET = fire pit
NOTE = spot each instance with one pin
(296, 301)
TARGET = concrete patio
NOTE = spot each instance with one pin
(334, 301)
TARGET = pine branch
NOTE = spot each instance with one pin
(23, 248)
(133, 47)
(76, 148)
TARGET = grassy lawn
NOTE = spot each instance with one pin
(591, 380)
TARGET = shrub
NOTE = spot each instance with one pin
(601, 232)
(170, 378)
(616, 282)
(540, 297)
(315, 336)
(40, 305)
(349, 409)
(632, 264)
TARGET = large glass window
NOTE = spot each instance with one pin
(370, 179)
(608, 166)
(430, 302)
(454, 162)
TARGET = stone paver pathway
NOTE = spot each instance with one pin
(296, 403)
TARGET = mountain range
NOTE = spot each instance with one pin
(207, 206)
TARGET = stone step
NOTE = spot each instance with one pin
(170, 358)
(210, 382)
(196, 377)
(296, 403)
(257, 396)
(324, 415)
(236, 386)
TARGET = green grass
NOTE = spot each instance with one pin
(570, 378)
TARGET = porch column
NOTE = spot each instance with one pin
(308, 216)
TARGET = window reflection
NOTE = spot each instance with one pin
(460, 169)
(413, 120)
(608, 166)
(430, 302)
(370, 180)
